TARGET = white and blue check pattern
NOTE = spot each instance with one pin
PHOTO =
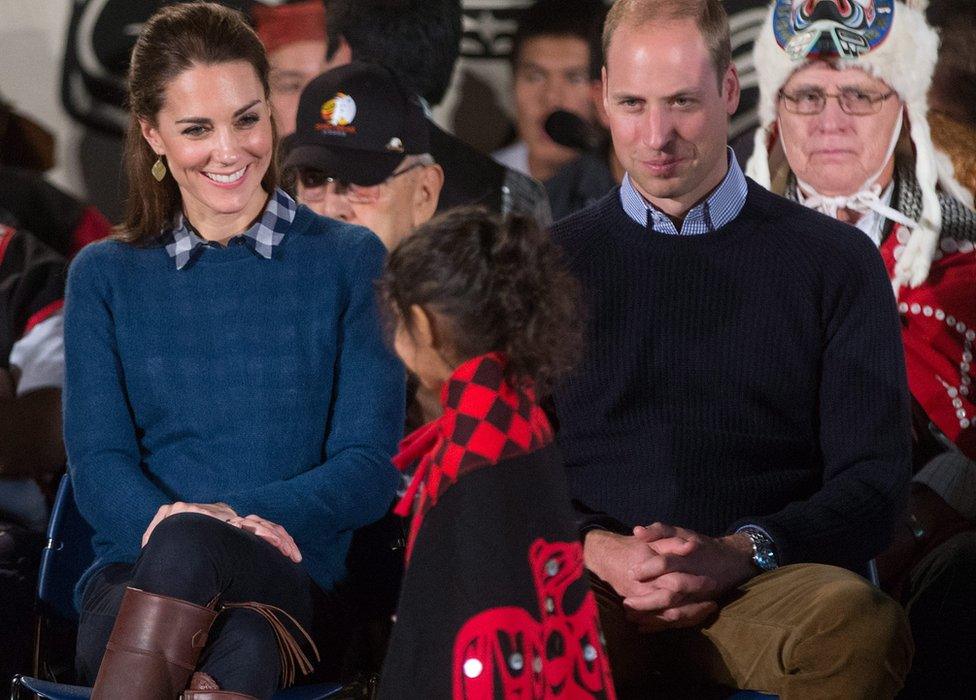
(262, 237)
(721, 206)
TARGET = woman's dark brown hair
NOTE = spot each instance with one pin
(173, 40)
(496, 284)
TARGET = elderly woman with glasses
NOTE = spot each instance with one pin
(843, 98)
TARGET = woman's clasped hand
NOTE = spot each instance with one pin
(268, 531)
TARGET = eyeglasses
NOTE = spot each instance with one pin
(357, 194)
(853, 101)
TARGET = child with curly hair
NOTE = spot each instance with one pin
(494, 601)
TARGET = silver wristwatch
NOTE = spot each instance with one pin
(763, 548)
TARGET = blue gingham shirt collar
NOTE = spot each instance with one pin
(262, 237)
(718, 209)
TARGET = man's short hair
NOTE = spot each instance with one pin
(709, 15)
(418, 40)
(579, 19)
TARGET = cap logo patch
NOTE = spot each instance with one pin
(338, 115)
(831, 28)
(395, 145)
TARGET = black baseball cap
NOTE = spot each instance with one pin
(356, 123)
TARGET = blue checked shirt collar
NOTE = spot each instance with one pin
(721, 206)
(262, 237)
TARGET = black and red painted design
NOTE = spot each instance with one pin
(506, 652)
(485, 420)
(495, 602)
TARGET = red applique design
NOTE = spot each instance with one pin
(506, 653)
(939, 332)
(485, 420)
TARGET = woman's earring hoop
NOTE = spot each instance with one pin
(159, 169)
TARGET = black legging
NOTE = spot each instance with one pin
(195, 558)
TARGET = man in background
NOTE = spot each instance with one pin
(369, 162)
(294, 37)
(556, 61)
(419, 42)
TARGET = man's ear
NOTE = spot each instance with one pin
(596, 95)
(151, 134)
(605, 89)
(427, 193)
(730, 89)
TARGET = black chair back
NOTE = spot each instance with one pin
(66, 555)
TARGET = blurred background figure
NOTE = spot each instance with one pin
(556, 61)
(63, 222)
(40, 225)
(31, 374)
(848, 134)
(559, 118)
(28, 200)
(419, 41)
(294, 37)
(31, 449)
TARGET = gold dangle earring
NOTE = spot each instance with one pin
(159, 169)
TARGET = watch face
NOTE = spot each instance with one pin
(763, 552)
(765, 559)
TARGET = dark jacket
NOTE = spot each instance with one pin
(472, 178)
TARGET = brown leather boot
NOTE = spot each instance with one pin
(153, 648)
(204, 687)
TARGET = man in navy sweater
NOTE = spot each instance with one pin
(738, 429)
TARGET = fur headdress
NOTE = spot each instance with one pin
(892, 41)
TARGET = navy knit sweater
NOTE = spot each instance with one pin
(750, 375)
(264, 384)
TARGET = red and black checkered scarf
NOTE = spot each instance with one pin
(485, 420)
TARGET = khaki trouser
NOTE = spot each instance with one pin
(801, 631)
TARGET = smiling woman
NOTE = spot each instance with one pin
(200, 108)
(216, 134)
(231, 407)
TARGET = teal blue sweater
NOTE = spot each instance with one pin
(264, 384)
